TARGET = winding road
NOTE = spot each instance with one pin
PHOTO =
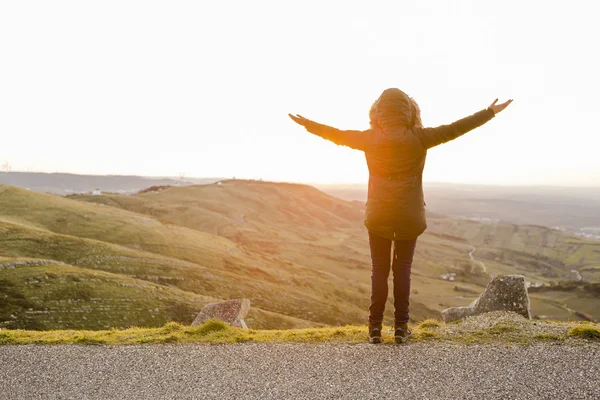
(483, 267)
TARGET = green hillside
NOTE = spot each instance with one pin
(299, 255)
(46, 294)
(170, 255)
(542, 253)
(278, 219)
(92, 254)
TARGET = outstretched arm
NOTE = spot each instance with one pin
(431, 137)
(353, 139)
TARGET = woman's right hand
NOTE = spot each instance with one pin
(496, 108)
(300, 120)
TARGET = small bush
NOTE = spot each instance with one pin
(5, 338)
(172, 327)
(427, 334)
(585, 332)
(210, 326)
(430, 323)
(170, 339)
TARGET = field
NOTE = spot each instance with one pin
(300, 255)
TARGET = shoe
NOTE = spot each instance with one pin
(401, 333)
(374, 334)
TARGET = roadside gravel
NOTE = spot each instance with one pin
(300, 371)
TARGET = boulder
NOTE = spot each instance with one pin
(503, 293)
(231, 312)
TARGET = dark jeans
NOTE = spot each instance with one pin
(404, 251)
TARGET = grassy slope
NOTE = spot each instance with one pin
(45, 294)
(306, 227)
(272, 293)
(258, 215)
(57, 295)
(289, 248)
(544, 254)
(223, 269)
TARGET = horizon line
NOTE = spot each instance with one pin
(308, 182)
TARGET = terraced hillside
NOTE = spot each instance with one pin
(299, 255)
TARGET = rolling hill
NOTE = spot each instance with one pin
(111, 239)
(279, 219)
(300, 255)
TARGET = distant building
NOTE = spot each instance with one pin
(96, 192)
(451, 276)
(533, 284)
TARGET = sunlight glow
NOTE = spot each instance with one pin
(155, 88)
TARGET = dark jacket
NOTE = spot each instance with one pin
(396, 158)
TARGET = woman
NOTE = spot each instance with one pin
(395, 148)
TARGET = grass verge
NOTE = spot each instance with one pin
(585, 332)
(495, 327)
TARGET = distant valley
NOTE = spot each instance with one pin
(575, 210)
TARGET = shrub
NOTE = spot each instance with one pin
(172, 327)
(427, 334)
(585, 332)
(170, 339)
(430, 323)
(210, 326)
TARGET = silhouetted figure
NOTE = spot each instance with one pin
(395, 148)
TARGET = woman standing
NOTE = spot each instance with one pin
(395, 148)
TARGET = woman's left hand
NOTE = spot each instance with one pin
(300, 120)
(496, 108)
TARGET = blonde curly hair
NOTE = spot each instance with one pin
(395, 109)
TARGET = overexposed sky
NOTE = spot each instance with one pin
(204, 87)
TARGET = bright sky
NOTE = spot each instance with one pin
(204, 87)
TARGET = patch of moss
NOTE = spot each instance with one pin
(550, 337)
(207, 327)
(501, 328)
(172, 327)
(426, 334)
(430, 323)
(215, 331)
(585, 332)
(170, 339)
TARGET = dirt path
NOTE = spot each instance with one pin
(483, 267)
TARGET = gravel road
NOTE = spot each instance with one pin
(300, 371)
